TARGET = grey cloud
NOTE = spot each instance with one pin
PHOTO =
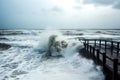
(117, 5)
(57, 9)
(77, 7)
(52, 9)
(103, 2)
(114, 3)
(78, 1)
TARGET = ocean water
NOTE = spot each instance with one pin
(27, 58)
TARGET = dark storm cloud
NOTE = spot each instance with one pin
(114, 3)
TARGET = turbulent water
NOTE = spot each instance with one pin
(26, 59)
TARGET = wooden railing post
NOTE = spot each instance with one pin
(93, 51)
(90, 49)
(100, 44)
(115, 69)
(98, 56)
(105, 46)
(117, 49)
(104, 61)
(87, 44)
(112, 48)
(95, 43)
(84, 45)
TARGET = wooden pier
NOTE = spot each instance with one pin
(107, 54)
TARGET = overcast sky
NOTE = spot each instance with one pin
(58, 14)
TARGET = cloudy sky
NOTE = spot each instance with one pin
(41, 14)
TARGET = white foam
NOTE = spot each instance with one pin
(29, 64)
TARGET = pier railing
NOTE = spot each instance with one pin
(106, 52)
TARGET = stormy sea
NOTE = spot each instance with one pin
(49, 54)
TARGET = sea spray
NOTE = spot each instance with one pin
(71, 66)
(51, 43)
(28, 63)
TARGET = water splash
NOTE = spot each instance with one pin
(28, 63)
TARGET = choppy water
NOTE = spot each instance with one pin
(25, 59)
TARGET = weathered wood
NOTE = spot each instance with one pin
(100, 44)
(95, 43)
(93, 52)
(87, 44)
(104, 61)
(98, 56)
(105, 46)
(117, 49)
(115, 69)
(111, 47)
(90, 49)
(84, 45)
